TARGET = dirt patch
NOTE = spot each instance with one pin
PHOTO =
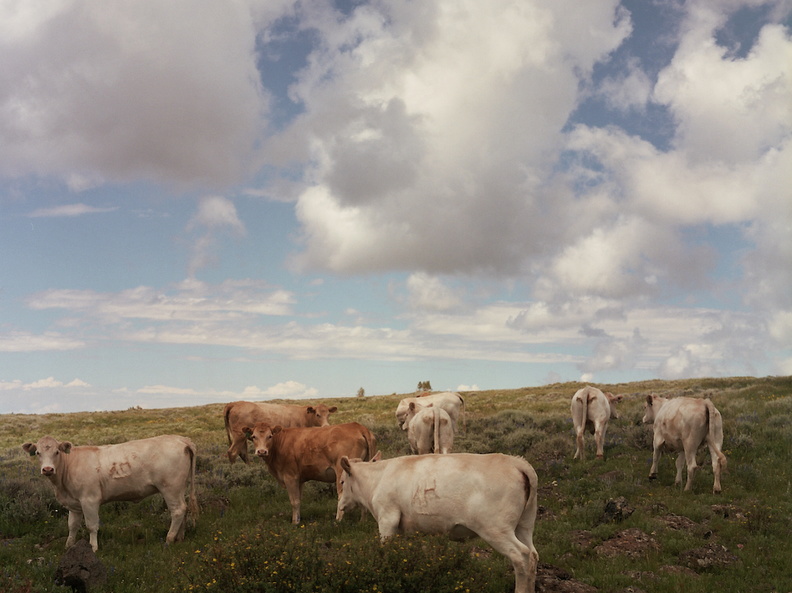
(632, 543)
(678, 522)
(551, 579)
(616, 510)
(710, 556)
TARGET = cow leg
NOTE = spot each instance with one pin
(579, 444)
(690, 457)
(655, 459)
(524, 559)
(178, 512)
(388, 524)
(295, 496)
(599, 438)
(75, 520)
(91, 513)
(239, 447)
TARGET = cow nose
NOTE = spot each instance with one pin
(262, 452)
(48, 471)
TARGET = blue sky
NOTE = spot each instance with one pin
(202, 203)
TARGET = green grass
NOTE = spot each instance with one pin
(244, 542)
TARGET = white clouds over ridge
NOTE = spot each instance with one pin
(535, 183)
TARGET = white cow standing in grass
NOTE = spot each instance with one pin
(450, 401)
(465, 495)
(86, 477)
(429, 429)
(591, 409)
(684, 424)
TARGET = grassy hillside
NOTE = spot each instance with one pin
(243, 541)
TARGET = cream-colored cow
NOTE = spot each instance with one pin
(491, 496)
(429, 429)
(86, 477)
(684, 424)
(591, 409)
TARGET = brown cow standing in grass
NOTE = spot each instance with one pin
(297, 455)
(591, 409)
(684, 424)
(86, 477)
(238, 415)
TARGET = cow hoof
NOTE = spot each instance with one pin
(601, 457)
(652, 476)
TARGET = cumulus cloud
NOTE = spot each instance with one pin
(428, 126)
(215, 214)
(160, 91)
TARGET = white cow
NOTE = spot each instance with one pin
(492, 496)
(86, 477)
(591, 409)
(684, 424)
(429, 429)
(450, 401)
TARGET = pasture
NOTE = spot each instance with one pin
(660, 539)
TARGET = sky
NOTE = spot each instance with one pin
(209, 201)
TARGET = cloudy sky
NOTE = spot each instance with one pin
(204, 201)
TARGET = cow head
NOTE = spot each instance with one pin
(262, 435)
(652, 405)
(349, 497)
(612, 401)
(48, 451)
(319, 415)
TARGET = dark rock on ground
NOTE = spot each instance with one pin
(80, 568)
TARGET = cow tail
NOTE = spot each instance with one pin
(371, 444)
(436, 417)
(715, 430)
(192, 504)
(226, 421)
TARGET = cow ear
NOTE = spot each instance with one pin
(345, 465)
(65, 446)
(248, 432)
(333, 409)
(412, 406)
(276, 429)
(649, 399)
(310, 410)
(29, 448)
(377, 456)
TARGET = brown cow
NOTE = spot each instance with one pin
(238, 415)
(86, 477)
(297, 455)
(684, 424)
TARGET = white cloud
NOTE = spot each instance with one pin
(429, 293)
(22, 341)
(162, 91)
(69, 210)
(429, 126)
(215, 214)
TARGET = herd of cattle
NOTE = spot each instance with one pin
(450, 493)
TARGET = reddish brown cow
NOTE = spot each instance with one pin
(238, 415)
(297, 455)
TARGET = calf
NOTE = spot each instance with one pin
(238, 415)
(684, 424)
(297, 455)
(86, 477)
(451, 402)
(591, 409)
(463, 494)
(429, 429)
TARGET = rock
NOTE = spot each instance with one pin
(551, 579)
(80, 568)
(616, 510)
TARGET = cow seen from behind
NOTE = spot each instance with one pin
(684, 424)
(591, 410)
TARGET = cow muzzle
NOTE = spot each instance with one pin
(263, 453)
(48, 471)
